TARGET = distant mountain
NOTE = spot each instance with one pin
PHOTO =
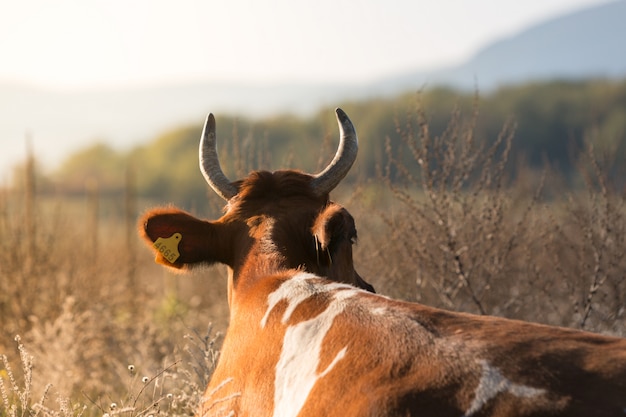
(585, 44)
(588, 43)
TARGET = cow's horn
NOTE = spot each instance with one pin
(210, 164)
(331, 176)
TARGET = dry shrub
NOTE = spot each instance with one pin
(594, 235)
(173, 390)
(459, 233)
(87, 305)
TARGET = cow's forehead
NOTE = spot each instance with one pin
(284, 183)
(263, 190)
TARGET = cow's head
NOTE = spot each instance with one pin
(273, 221)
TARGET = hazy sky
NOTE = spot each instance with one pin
(99, 44)
(102, 43)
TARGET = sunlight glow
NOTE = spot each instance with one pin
(76, 44)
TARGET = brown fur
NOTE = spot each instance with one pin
(401, 359)
(282, 201)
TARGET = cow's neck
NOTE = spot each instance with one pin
(259, 263)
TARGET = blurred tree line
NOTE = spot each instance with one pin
(552, 120)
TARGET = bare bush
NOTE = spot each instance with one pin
(87, 306)
(461, 233)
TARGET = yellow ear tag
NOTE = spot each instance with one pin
(168, 247)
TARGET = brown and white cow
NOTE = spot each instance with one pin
(307, 338)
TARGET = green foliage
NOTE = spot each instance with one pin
(98, 164)
(166, 167)
(553, 119)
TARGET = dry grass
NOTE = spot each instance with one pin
(459, 233)
(455, 231)
(87, 304)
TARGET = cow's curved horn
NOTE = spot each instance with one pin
(331, 176)
(210, 164)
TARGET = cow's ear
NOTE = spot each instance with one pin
(178, 239)
(335, 233)
(334, 227)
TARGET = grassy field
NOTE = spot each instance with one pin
(91, 326)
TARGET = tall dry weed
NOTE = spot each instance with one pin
(459, 231)
(87, 305)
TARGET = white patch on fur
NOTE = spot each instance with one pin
(294, 293)
(295, 290)
(380, 311)
(296, 370)
(492, 383)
